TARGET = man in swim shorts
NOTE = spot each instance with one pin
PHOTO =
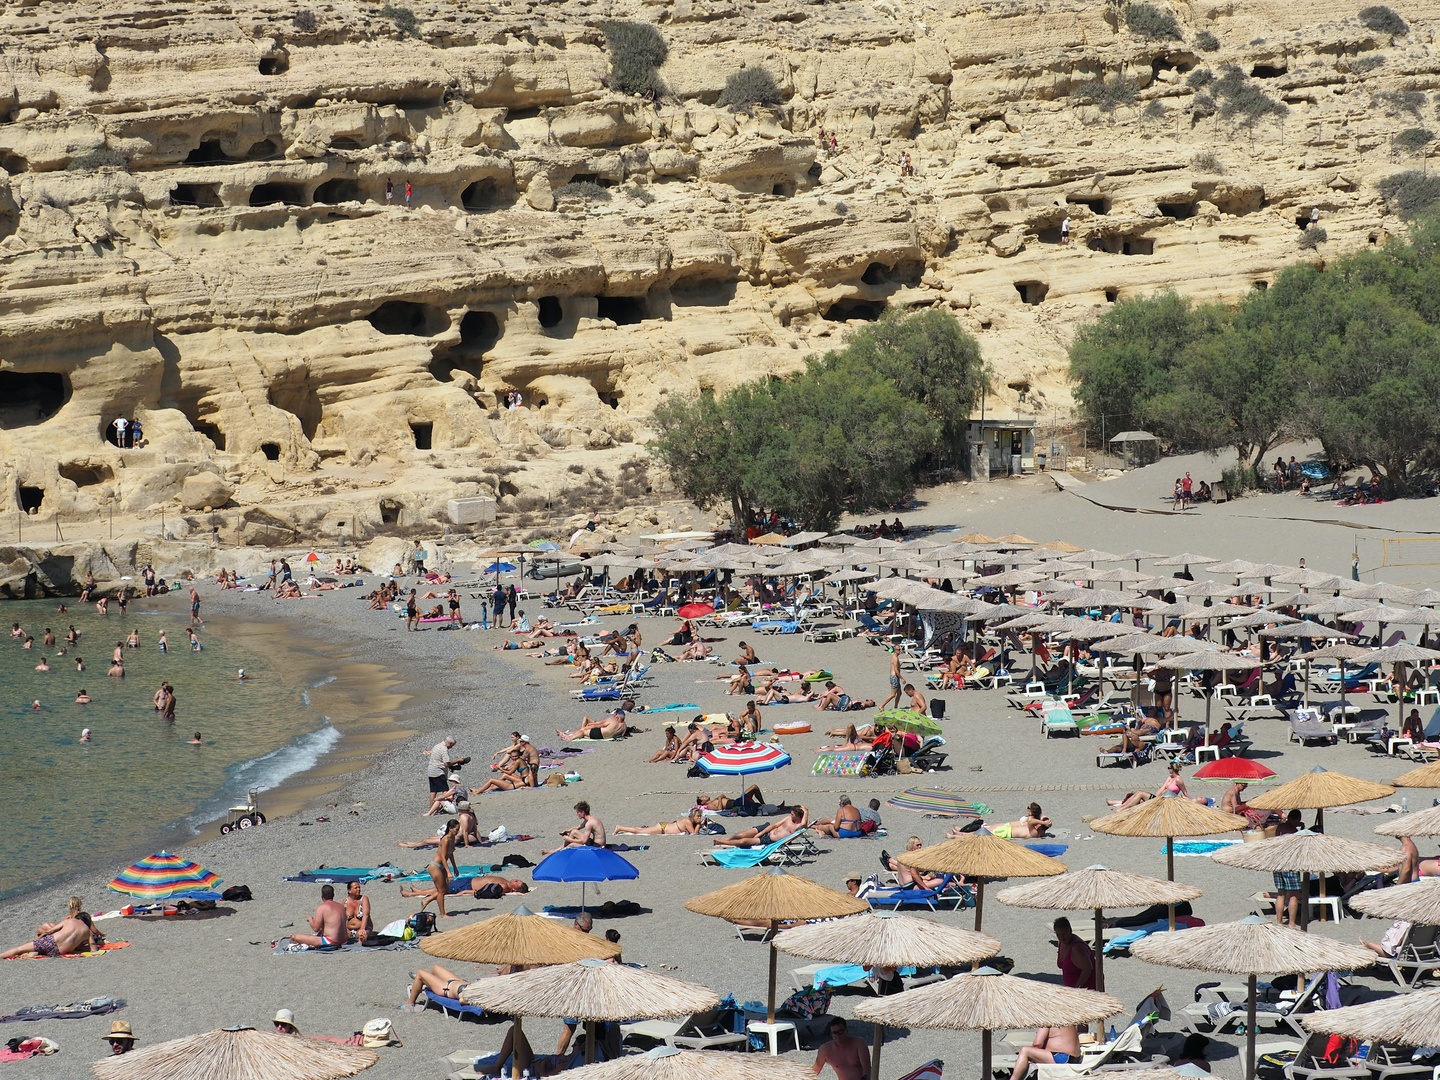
(589, 833)
(328, 922)
(1052, 1046)
(435, 772)
(487, 887)
(845, 824)
(71, 936)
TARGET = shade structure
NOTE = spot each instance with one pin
(1169, 817)
(743, 759)
(1426, 776)
(163, 876)
(1186, 558)
(985, 1001)
(1208, 661)
(774, 897)
(1251, 947)
(1305, 630)
(695, 611)
(1094, 889)
(239, 1053)
(584, 864)
(1403, 653)
(938, 802)
(886, 939)
(907, 720)
(1310, 851)
(520, 937)
(1423, 823)
(1233, 770)
(979, 856)
(1407, 1020)
(1318, 789)
(1417, 902)
(671, 1063)
(589, 990)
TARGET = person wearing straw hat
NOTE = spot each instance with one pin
(121, 1038)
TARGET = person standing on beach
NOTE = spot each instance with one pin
(847, 1055)
(443, 866)
(389, 191)
(894, 694)
(195, 607)
(407, 194)
(497, 602)
(412, 612)
(435, 772)
(512, 598)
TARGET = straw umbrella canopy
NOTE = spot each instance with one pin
(1425, 776)
(1306, 629)
(985, 1001)
(1380, 590)
(238, 1053)
(1423, 823)
(1318, 789)
(1208, 661)
(886, 939)
(1407, 1020)
(1334, 605)
(1308, 852)
(1094, 889)
(1417, 902)
(1251, 947)
(1259, 618)
(520, 937)
(774, 897)
(979, 856)
(1341, 651)
(1403, 653)
(672, 1063)
(589, 990)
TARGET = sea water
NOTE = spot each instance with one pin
(139, 783)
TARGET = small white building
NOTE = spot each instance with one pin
(1001, 446)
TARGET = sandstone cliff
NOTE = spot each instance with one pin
(194, 229)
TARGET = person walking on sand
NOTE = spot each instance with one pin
(1065, 230)
(847, 1055)
(1187, 489)
(894, 695)
(407, 194)
(412, 612)
(436, 769)
(195, 608)
(442, 866)
(389, 191)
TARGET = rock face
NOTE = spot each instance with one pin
(195, 229)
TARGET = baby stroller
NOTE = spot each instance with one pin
(879, 762)
(929, 757)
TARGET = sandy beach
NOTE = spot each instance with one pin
(396, 692)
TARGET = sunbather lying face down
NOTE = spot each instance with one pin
(482, 888)
(767, 834)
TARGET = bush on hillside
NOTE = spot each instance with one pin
(1313, 237)
(1366, 64)
(1396, 102)
(305, 21)
(748, 87)
(584, 189)
(1383, 20)
(1412, 139)
(1199, 78)
(1206, 162)
(405, 20)
(1411, 193)
(1149, 21)
(1108, 94)
(1205, 41)
(636, 50)
(1155, 110)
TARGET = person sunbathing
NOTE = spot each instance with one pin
(690, 823)
(439, 981)
(689, 747)
(73, 934)
(908, 876)
(696, 650)
(1133, 798)
(671, 747)
(852, 738)
(611, 727)
(798, 819)
(482, 887)
(830, 699)
(750, 721)
(1032, 826)
(740, 682)
(845, 824)
(1052, 1045)
(509, 779)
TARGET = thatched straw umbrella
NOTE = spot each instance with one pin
(886, 939)
(1426, 776)
(1318, 789)
(1251, 947)
(1401, 654)
(774, 897)
(1417, 902)
(672, 1063)
(1407, 1020)
(522, 938)
(1342, 651)
(592, 991)
(1094, 889)
(979, 856)
(1310, 852)
(1421, 823)
(985, 1001)
(1208, 661)
(1169, 817)
(237, 1053)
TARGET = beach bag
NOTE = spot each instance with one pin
(499, 834)
(423, 923)
(379, 1032)
(237, 894)
(937, 708)
(806, 1004)
(698, 770)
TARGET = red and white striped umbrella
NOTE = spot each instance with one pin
(741, 759)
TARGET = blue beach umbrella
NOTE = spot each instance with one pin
(584, 864)
(499, 568)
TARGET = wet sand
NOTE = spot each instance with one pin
(184, 975)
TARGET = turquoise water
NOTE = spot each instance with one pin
(67, 805)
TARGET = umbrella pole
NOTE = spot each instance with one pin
(774, 955)
(589, 1042)
(1307, 684)
(1170, 873)
(1250, 1034)
(517, 1031)
(984, 1055)
(979, 902)
(875, 1051)
(1099, 969)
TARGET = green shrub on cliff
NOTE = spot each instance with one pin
(636, 50)
(750, 86)
(1383, 20)
(405, 20)
(1149, 21)
(1205, 41)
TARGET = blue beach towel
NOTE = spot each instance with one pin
(686, 706)
(1204, 848)
(1052, 850)
(343, 875)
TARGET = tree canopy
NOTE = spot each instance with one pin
(1348, 354)
(849, 433)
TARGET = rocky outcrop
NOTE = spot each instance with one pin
(195, 230)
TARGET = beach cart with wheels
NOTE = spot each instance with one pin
(243, 817)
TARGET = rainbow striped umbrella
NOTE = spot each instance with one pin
(741, 759)
(164, 876)
(938, 802)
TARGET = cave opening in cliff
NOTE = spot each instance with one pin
(522, 114)
(195, 195)
(1112, 295)
(1032, 292)
(86, 474)
(702, 293)
(1126, 245)
(389, 512)
(293, 393)
(845, 310)
(590, 178)
(344, 142)
(338, 190)
(13, 163)
(783, 190)
(271, 450)
(1266, 71)
(402, 317)
(31, 397)
(550, 311)
(621, 310)
(1097, 206)
(273, 194)
(209, 152)
(875, 274)
(423, 434)
(31, 499)
(484, 194)
(479, 331)
(211, 432)
(264, 150)
(275, 64)
(1181, 211)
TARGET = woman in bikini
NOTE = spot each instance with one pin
(509, 779)
(671, 747)
(853, 741)
(437, 980)
(690, 823)
(750, 722)
(440, 875)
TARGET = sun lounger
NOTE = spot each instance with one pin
(1058, 720)
(1416, 957)
(1307, 732)
(453, 1006)
(785, 852)
(701, 1031)
(948, 894)
(1260, 707)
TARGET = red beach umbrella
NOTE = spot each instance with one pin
(695, 611)
(1233, 770)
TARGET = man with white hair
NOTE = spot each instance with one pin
(436, 772)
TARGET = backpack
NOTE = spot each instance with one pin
(423, 923)
(698, 770)
(379, 1032)
(237, 893)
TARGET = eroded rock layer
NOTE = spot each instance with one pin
(195, 232)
